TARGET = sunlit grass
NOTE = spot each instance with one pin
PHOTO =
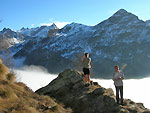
(16, 97)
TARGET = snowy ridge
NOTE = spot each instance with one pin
(116, 40)
(27, 31)
(147, 23)
(38, 31)
(75, 28)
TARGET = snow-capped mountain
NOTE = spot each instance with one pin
(147, 23)
(21, 37)
(121, 39)
(38, 31)
(8, 38)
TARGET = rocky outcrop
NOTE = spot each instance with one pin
(52, 32)
(69, 88)
(4, 43)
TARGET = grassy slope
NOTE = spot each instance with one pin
(18, 98)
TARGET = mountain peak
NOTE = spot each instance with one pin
(123, 16)
(22, 28)
(121, 12)
(5, 30)
(54, 26)
(75, 25)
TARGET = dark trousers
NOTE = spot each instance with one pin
(119, 89)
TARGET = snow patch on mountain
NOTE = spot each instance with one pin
(147, 23)
(38, 31)
(75, 28)
(27, 31)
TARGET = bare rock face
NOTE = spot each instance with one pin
(52, 32)
(69, 88)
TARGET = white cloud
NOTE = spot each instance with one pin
(32, 25)
(37, 77)
(58, 24)
(34, 77)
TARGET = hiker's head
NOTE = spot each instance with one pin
(86, 55)
(116, 68)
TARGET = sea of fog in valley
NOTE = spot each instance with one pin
(36, 77)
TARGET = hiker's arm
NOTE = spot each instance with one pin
(91, 64)
(122, 77)
(82, 58)
(114, 77)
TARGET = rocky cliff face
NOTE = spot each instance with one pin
(120, 39)
(16, 97)
(70, 89)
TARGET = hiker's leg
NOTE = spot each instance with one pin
(84, 70)
(121, 94)
(117, 94)
(88, 78)
(85, 78)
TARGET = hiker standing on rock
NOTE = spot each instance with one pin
(86, 61)
(118, 76)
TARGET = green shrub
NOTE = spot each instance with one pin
(11, 77)
(54, 108)
(4, 93)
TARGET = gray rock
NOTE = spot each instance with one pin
(99, 91)
(69, 89)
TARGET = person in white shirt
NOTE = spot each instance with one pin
(118, 77)
(86, 62)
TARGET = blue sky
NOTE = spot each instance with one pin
(16, 14)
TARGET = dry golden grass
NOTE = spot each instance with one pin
(3, 71)
(6, 104)
(18, 98)
(1, 61)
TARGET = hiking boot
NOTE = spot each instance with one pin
(91, 82)
(87, 85)
(122, 103)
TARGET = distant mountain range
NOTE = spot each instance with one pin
(121, 39)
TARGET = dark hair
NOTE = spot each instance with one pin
(86, 54)
(116, 66)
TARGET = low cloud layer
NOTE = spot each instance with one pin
(134, 89)
(34, 77)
